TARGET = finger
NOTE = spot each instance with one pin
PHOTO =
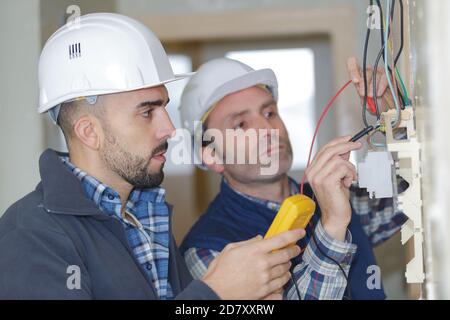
(347, 182)
(345, 156)
(388, 102)
(337, 141)
(280, 241)
(382, 85)
(354, 70)
(333, 142)
(342, 173)
(283, 256)
(335, 165)
(351, 169)
(330, 152)
(235, 245)
(279, 270)
(369, 73)
(247, 242)
(278, 283)
(380, 77)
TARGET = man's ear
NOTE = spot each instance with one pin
(211, 159)
(88, 130)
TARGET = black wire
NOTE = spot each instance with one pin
(293, 279)
(349, 297)
(366, 46)
(400, 51)
(380, 54)
(375, 68)
(338, 264)
(296, 287)
(327, 256)
(389, 31)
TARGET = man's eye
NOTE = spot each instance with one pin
(270, 114)
(240, 125)
(146, 114)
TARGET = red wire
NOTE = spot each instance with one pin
(324, 112)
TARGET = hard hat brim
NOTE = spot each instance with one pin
(258, 77)
(51, 104)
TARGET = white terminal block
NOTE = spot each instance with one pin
(410, 202)
(375, 174)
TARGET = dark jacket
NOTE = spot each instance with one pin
(55, 227)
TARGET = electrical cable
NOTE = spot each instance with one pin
(302, 184)
(313, 236)
(386, 39)
(390, 9)
(391, 50)
(374, 85)
(296, 286)
(366, 47)
(402, 30)
(324, 112)
(404, 100)
(335, 262)
(400, 51)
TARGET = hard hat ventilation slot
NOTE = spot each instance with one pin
(74, 51)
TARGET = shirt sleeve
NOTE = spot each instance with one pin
(379, 218)
(198, 260)
(317, 276)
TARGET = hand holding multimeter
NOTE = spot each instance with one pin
(329, 171)
(295, 213)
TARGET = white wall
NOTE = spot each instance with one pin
(432, 95)
(21, 136)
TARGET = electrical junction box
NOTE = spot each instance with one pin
(375, 173)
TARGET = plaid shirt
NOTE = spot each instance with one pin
(316, 276)
(148, 236)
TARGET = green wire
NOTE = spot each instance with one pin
(405, 92)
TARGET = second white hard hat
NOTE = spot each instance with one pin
(101, 53)
(216, 79)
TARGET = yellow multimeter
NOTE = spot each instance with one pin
(295, 213)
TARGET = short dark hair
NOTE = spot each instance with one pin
(70, 111)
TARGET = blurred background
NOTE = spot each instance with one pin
(305, 42)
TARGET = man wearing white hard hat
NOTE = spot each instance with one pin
(97, 226)
(226, 95)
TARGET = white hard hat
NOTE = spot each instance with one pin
(101, 53)
(213, 81)
(216, 79)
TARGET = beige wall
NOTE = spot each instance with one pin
(25, 25)
(21, 137)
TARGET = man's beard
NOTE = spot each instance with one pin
(132, 168)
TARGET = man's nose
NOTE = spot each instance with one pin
(166, 128)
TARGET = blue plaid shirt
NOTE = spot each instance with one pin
(148, 235)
